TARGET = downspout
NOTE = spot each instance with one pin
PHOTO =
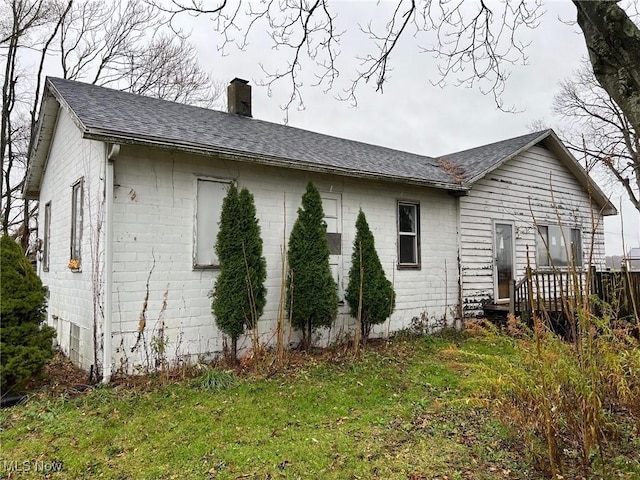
(107, 343)
(459, 250)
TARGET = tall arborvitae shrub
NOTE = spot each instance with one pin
(239, 294)
(25, 344)
(312, 293)
(255, 263)
(378, 297)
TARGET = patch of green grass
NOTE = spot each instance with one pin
(413, 408)
(214, 380)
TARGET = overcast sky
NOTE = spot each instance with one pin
(412, 114)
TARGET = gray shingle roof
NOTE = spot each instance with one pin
(120, 117)
(477, 161)
(116, 114)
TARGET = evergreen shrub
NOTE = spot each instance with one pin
(378, 297)
(25, 343)
(239, 293)
(312, 293)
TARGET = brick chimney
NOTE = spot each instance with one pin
(239, 97)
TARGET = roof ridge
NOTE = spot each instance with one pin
(532, 135)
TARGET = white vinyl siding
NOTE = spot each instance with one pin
(519, 192)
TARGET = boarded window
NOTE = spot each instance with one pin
(209, 196)
(553, 250)
(46, 237)
(76, 222)
(408, 234)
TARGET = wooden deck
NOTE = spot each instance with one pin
(556, 295)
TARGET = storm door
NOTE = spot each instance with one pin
(504, 259)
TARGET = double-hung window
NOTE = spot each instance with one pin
(76, 224)
(558, 247)
(408, 235)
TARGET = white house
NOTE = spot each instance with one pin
(130, 190)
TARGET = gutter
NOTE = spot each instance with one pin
(107, 343)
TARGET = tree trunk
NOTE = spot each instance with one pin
(307, 340)
(234, 350)
(613, 41)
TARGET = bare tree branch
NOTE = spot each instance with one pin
(125, 45)
(599, 129)
(473, 41)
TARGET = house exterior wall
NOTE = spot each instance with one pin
(516, 193)
(154, 280)
(71, 294)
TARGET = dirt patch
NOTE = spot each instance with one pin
(59, 377)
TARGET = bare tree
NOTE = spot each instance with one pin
(599, 129)
(473, 40)
(122, 45)
(26, 25)
(128, 46)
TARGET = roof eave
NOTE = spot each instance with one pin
(40, 146)
(244, 156)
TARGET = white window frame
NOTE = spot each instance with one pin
(199, 233)
(415, 234)
(334, 218)
(77, 212)
(543, 248)
(46, 237)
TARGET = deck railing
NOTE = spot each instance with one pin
(560, 292)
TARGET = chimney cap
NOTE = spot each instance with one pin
(239, 80)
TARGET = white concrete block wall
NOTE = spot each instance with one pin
(71, 293)
(154, 209)
(512, 193)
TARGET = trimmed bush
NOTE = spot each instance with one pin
(239, 294)
(312, 293)
(378, 297)
(25, 343)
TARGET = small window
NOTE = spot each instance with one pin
(408, 235)
(209, 196)
(76, 223)
(332, 206)
(74, 343)
(552, 250)
(46, 241)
